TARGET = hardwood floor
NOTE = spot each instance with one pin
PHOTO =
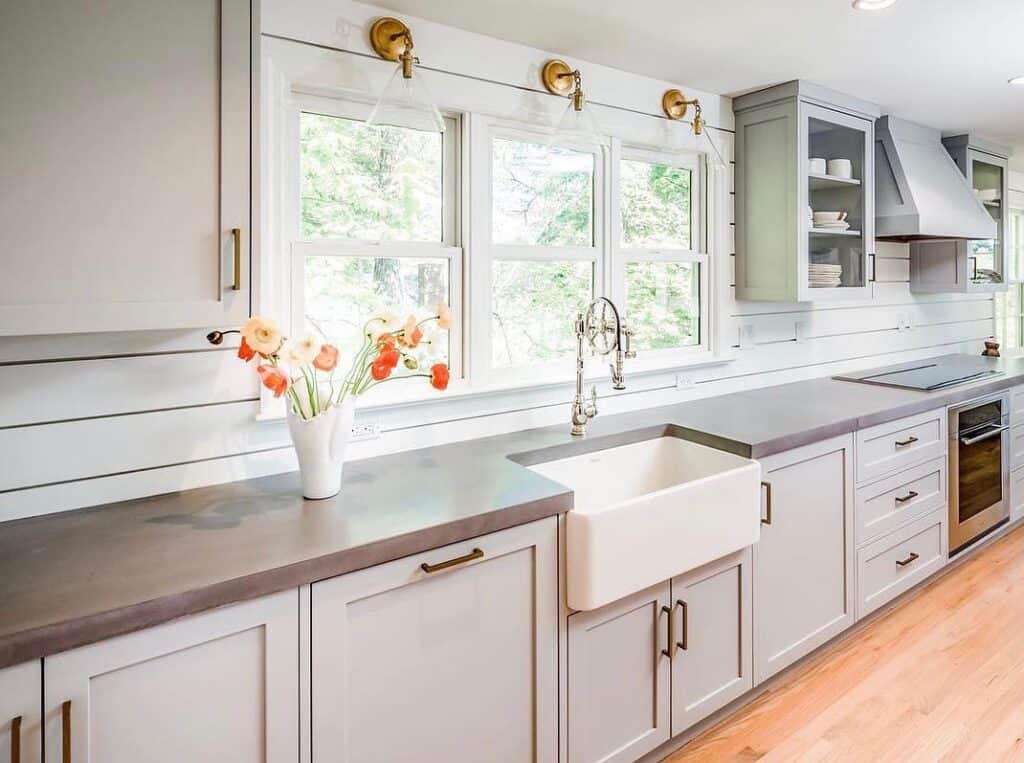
(940, 678)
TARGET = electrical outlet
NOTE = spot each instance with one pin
(366, 430)
(747, 336)
(684, 382)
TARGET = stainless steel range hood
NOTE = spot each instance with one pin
(919, 192)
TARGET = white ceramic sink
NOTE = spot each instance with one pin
(650, 510)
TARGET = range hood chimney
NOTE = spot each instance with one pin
(919, 192)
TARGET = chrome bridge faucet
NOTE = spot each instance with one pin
(603, 329)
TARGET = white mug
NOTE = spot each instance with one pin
(816, 166)
(840, 168)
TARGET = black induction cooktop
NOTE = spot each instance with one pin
(928, 375)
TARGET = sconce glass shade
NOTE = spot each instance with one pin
(407, 102)
(684, 140)
(578, 128)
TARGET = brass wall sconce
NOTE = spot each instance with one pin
(405, 101)
(560, 79)
(675, 105)
(577, 125)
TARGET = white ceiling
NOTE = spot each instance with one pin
(944, 63)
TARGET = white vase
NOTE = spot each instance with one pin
(320, 444)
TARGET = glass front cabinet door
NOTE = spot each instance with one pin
(986, 167)
(805, 194)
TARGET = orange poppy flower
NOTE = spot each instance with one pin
(380, 371)
(274, 379)
(388, 358)
(245, 352)
(439, 375)
(327, 358)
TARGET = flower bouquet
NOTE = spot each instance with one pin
(320, 406)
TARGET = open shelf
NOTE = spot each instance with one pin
(829, 181)
(833, 232)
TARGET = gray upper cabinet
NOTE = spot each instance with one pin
(619, 674)
(711, 660)
(782, 252)
(443, 655)
(962, 265)
(804, 591)
(126, 164)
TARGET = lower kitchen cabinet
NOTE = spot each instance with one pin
(450, 654)
(218, 686)
(619, 673)
(804, 590)
(711, 661)
(21, 701)
(649, 666)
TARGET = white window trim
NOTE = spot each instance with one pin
(289, 75)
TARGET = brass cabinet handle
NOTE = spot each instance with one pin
(671, 633)
(908, 497)
(904, 443)
(910, 559)
(236, 234)
(768, 503)
(684, 642)
(65, 731)
(474, 554)
(16, 740)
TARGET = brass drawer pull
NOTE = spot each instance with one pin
(684, 642)
(16, 740)
(909, 560)
(474, 554)
(908, 497)
(236, 234)
(768, 503)
(65, 731)
(904, 443)
(671, 633)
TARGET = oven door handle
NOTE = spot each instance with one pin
(985, 436)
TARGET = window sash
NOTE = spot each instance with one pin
(698, 240)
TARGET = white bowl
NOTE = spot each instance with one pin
(829, 217)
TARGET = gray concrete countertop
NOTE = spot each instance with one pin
(83, 576)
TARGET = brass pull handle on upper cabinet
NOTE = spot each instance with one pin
(904, 443)
(671, 634)
(904, 562)
(908, 497)
(474, 554)
(65, 731)
(16, 740)
(236, 284)
(768, 503)
(684, 642)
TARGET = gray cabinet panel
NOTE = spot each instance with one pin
(409, 665)
(711, 664)
(619, 679)
(804, 562)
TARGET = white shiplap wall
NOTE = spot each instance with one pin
(97, 418)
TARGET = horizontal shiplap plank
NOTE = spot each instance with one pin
(38, 455)
(897, 293)
(33, 393)
(22, 349)
(65, 496)
(782, 327)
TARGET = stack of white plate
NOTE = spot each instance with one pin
(823, 276)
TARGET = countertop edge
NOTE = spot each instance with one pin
(47, 640)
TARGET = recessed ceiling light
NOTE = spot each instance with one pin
(1017, 80)
(872, 5)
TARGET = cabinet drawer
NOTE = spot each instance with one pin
(1017, 446)
(1017, 404)
(885, 505)
(899, 561)
(899, 444)
(1016, 495)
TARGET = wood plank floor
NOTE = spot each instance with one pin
(940, 678)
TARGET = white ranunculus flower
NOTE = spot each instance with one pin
(383, 322)
(262, 334)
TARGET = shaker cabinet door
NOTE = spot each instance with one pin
(618, 673)
(213, 687)
(712, 657)
(125, 164)
(804, 562)
(21, 702)
(448, 655)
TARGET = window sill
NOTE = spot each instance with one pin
(462, 400)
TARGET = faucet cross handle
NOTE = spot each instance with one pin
(627, 335)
